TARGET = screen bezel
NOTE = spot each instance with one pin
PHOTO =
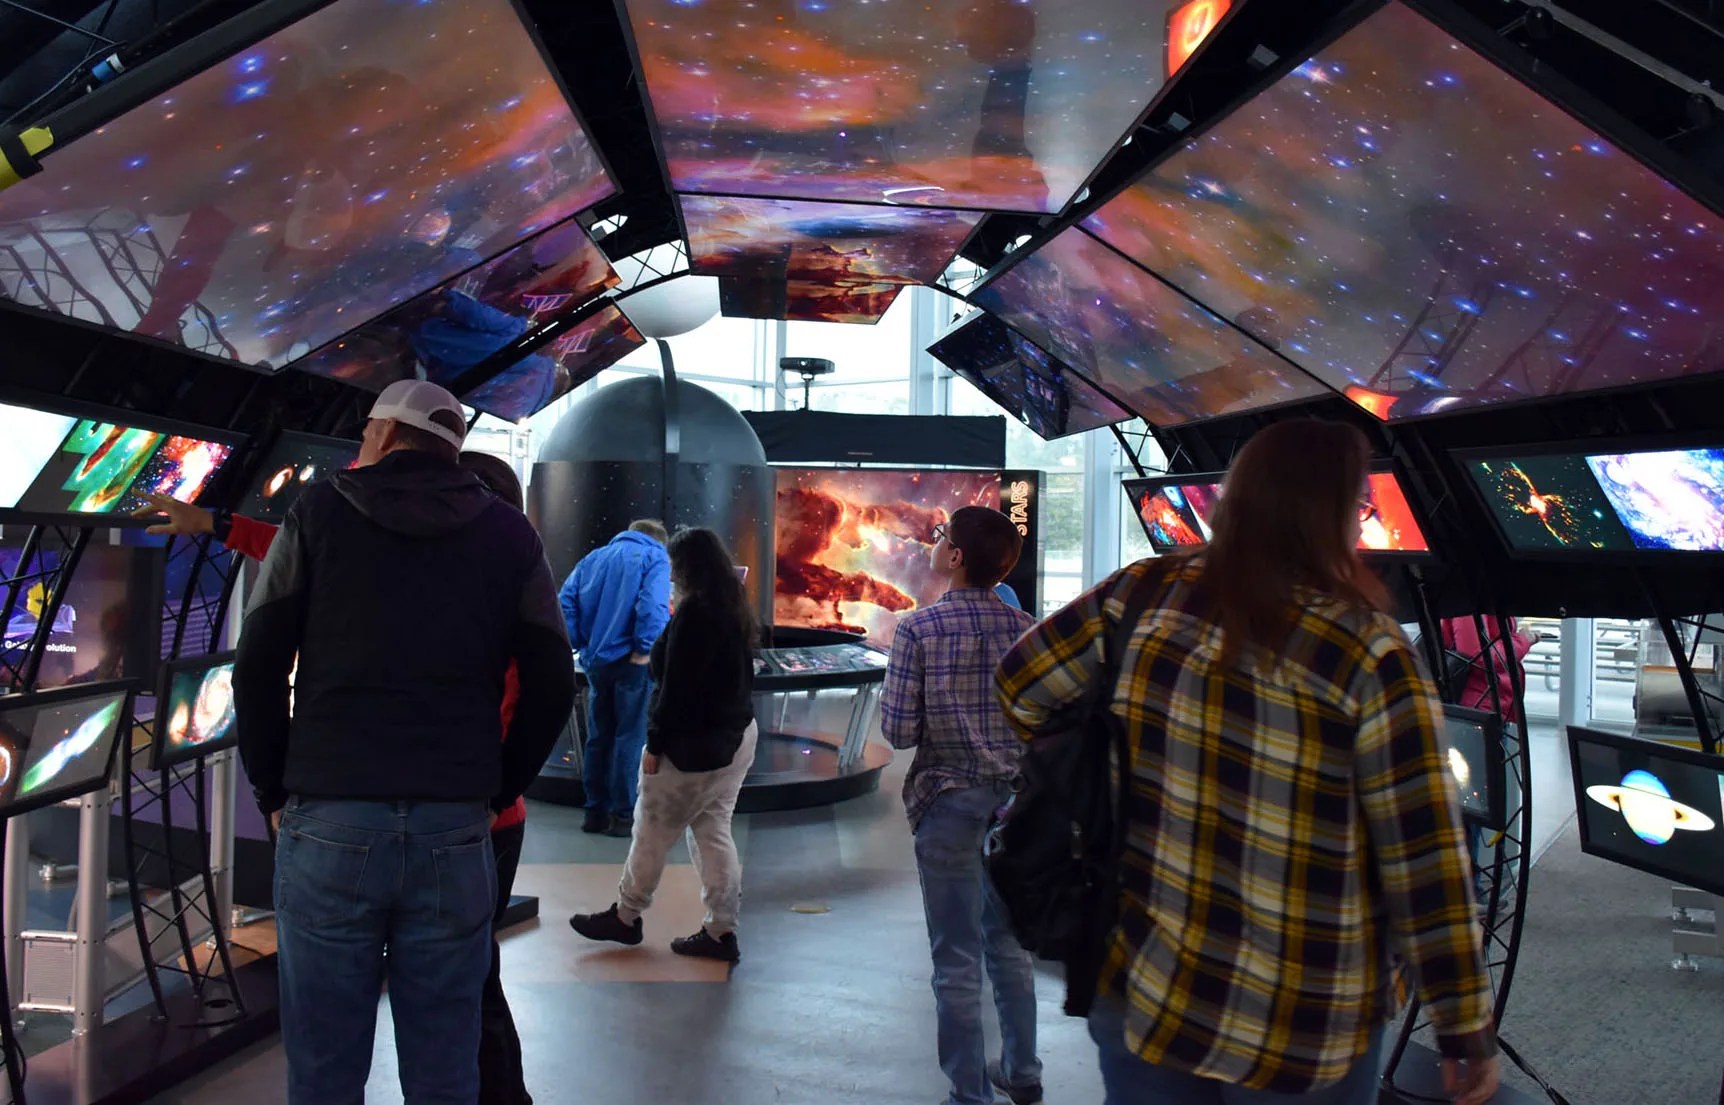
(161, 755)
(1685, 756)
(127, 688)
(1631, 557)
(968, 375)
(1495, 766)
(72, 408)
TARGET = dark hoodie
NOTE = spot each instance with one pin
(404, 589)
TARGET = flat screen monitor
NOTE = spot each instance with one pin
(309, 182)
(108, 622)
(992, 104)
(554, 369)
(1177, 512)
(101, 467)
(1158, 352)
(1034, 388)
(805, 301)
(853, 544)
(1410, 222)
(850, 243)
(460, 323)
(1546, 502)
(1650, 806)
(293, 463)
(194, 712)
(1667, 499)
(59, 744)
(1472, 747)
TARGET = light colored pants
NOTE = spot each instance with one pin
(700, 804)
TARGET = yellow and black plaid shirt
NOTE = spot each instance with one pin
(1293, 831)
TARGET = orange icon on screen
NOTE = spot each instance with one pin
(1374, 403)
(1188, 26)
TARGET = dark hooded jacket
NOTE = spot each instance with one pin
(405, 589)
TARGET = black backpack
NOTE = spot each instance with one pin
(1053, 851)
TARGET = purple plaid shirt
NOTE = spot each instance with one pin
(939, 695)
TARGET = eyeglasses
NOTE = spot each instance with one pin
(940, 532)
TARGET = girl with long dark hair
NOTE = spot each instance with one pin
(1292, 828)
(700, 745)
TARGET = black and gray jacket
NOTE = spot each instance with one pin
(404, 589)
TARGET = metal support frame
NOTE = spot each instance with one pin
(20, 672)
(1705, 702)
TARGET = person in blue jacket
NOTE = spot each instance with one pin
(616, 603)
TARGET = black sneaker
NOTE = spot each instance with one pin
(1020, 1095)
(606, 926)
(704, 945)
(596, 821)
(620, 826)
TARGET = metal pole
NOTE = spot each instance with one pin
(89, 983)
(16, 903)
(1576, 666)
(223, 782)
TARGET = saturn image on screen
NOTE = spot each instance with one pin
(1645, 803)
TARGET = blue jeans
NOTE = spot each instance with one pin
(1129, 1080)
(617, 699)
(354, 880)
(967, 926)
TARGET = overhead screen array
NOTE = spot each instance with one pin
(1414, 226)
(309, 183)
(1177, 513)
(1038, 390)
(1590, 501)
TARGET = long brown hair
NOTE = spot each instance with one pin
(1287, 521)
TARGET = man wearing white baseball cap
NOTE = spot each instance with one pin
(405, 589)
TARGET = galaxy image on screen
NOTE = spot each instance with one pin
(1041, 392)
(1465, 753)
(463, 321)
(847, 243)
(853, 544)
(1548, 503)
(802, 301)
(295, 462)
(199, 713)
(566, 362)
(102, 468)
(1168, 359)
(69, 744)
(1643, 808)
(1667, 500)
(1386, 522)
(1174, 516)
(312, 181)
(1399, 171)
(997, 104)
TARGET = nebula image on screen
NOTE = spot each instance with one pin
(1386, 522)
(102, 468)
(28, 438)
(1667, 500)
(993, 104)
(70, 744)
(1469, 763)
(460, 323)
(310, 182)
(1651, 806)
(1164, 357)
(854, 544)
(1548, 502)
(1174, 516)
(1038, 390)
(1401, 215)
(846, 243)
(803, 301)
(199, 713)
(180, 469)
(565, 363)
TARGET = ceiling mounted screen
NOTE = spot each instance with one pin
(1166, 358)
(993, 104)
(1035, 388)
(566, 362)
(805, 301)
(1419, 228)
(457, 325)
(102, 467)
(306, 184)
(837, 242)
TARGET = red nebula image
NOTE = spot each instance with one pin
(853, 544)
(1386, 519)
(1189, 26)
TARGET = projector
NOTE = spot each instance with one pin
(807, 366)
